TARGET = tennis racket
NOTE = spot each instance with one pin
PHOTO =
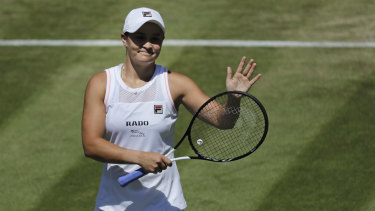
(227, 127)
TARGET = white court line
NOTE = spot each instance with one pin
(209, 43)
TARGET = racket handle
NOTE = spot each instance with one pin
(124, 180)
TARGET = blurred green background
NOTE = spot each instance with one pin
(319, 152)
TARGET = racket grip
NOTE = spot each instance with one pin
(124, 180)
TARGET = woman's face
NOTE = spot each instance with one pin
(145, 44)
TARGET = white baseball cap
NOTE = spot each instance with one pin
(137, 17)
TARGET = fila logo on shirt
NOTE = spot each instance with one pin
(158, 109)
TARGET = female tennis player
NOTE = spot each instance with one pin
(129, 116)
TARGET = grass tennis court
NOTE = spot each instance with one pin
(318, 154)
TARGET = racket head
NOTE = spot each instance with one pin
(245, 128)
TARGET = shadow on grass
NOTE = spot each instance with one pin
(336, 171)
(76, 191)
(25, 73)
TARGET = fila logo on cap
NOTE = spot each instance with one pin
(146, 14)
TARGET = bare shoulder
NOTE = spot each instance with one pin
(177, 80)
(97, 84)
(99, 78)
(181, 85)
(185, 91)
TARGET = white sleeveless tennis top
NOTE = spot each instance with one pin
(140, 119)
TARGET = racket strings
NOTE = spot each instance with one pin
(233, 130)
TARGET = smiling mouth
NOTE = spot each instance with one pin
(146, 52)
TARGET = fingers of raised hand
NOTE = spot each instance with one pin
(241, 80)
(249, 69)
(240, 66)
(252, 81)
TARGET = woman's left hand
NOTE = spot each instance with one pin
(241, 80)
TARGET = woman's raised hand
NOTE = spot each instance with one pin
(241, 80)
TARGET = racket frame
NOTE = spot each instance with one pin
(202, 157)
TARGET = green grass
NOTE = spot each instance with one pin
(336, 20)
(318, 154)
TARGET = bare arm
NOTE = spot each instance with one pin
(93, 131)
(192, 97)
